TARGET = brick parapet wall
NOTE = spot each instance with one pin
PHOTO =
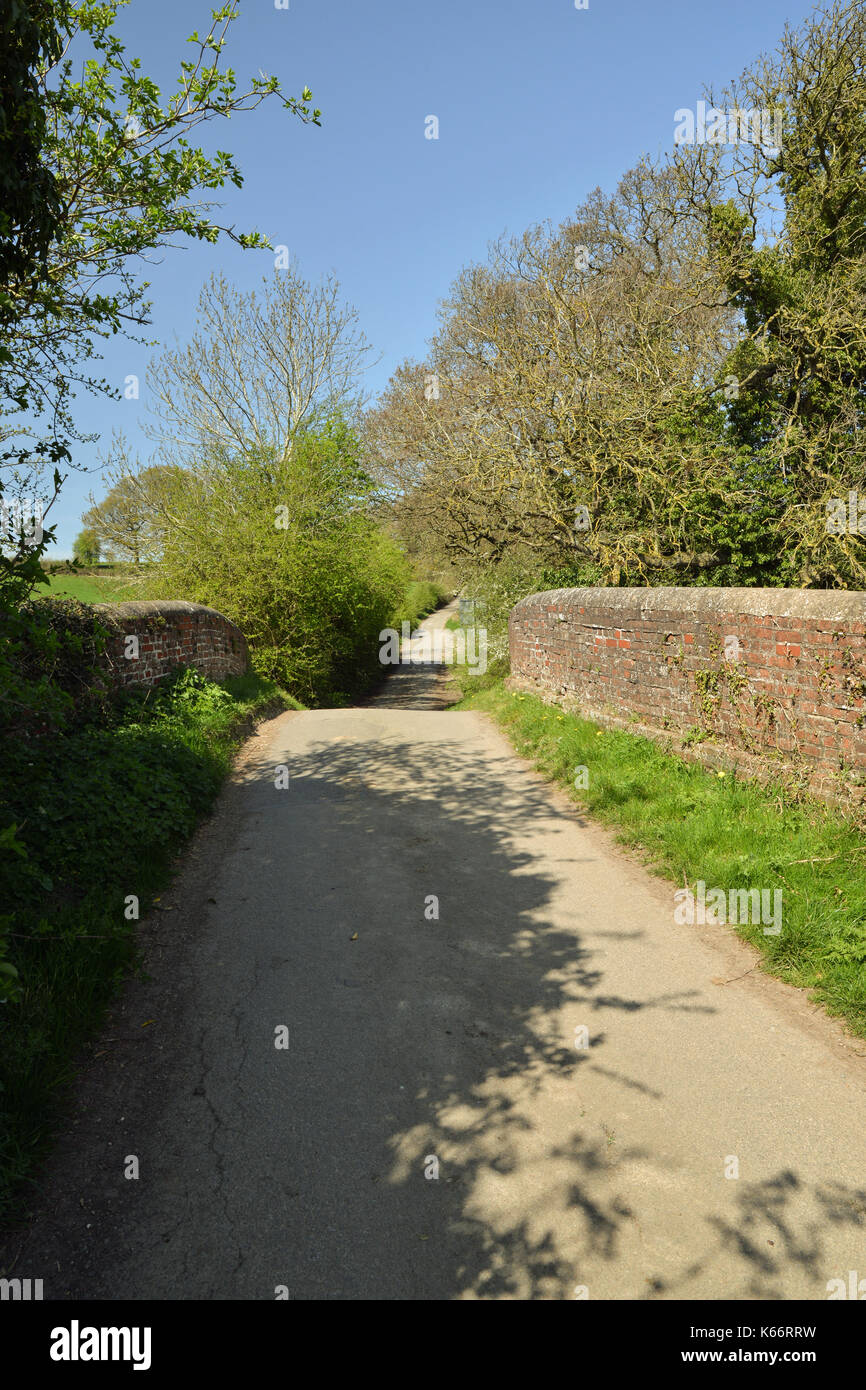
(756, 671)
(168, 634)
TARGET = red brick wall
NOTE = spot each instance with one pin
(794, 684)
(167, 634)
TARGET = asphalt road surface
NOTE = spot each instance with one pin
(426, 923)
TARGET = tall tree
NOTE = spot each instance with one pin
(565, 408)
(87, 547)
(122, 179)
(127, 522)
(787, 223)
(31, 206)
(260, 367)
(31, 217)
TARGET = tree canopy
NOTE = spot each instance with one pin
(669, 387)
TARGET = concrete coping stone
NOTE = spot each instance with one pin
(821, 605)
(163, 608)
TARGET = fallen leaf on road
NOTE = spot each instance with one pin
(354, 936)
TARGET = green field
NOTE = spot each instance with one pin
(88, 588)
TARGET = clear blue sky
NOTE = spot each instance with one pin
(538, 103)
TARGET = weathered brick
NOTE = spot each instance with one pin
(171, 634)
(787, 640)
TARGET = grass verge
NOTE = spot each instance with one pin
(98, 814)
(694, 824)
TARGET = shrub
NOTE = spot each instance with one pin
(286, 548)
(421, 597)
(49, 665)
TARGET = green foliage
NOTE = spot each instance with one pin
(183, 700)
(683, 361)
(31, 206)
(800, 294)
(286, 548)
(49, 666)
(90, 815)
(49, 677)
(124, 521)
(128, 177)
(97, 170)
(87, 547)
(421, 597)
(518, 574)
(79, 801)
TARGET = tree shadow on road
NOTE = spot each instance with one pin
(433, 1131)
(460, 1049)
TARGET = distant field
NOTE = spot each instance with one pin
(88, 588)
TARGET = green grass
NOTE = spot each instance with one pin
(693, 824)
(111, 583)
(99, 814)
(85, 587)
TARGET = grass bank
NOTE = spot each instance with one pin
(693, 824)
(94, 818)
